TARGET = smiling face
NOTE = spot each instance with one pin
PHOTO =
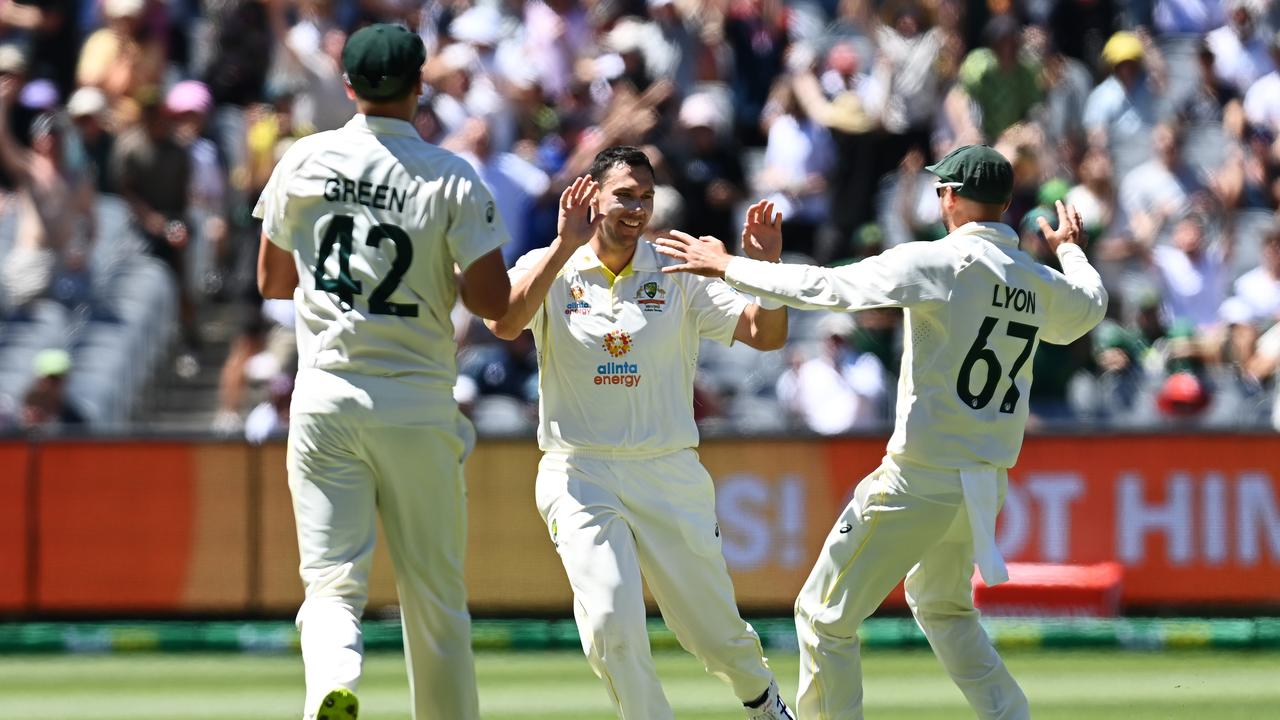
(626, 201)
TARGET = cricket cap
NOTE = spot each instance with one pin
(977, 172)
(383, 61)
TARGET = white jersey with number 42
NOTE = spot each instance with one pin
(376, 219)
(976, 306)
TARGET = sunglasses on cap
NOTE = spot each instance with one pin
(939, 187)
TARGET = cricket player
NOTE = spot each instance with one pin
(975, 306)
(385, 232)
(620, 485)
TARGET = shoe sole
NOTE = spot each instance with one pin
(340, 704)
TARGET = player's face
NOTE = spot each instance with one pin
(626, 201)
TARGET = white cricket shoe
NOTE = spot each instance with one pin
(773, 708)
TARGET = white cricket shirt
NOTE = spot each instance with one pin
(376, 219)
(976, 306)
(617, 356)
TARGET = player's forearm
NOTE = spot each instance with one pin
(805, 287)
(766, 329)
(1088, 298)
(529, 291)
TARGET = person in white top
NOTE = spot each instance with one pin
(385, 232)
(620, 486)
(976, 306)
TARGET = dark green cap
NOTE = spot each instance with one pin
(981, 174)
(383, 61)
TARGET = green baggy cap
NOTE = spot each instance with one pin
(981, 174)
(383, 61)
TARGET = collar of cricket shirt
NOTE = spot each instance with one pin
(998, 233)
(645, 259)
(380, 125)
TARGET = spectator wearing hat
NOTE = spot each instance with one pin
(55, 217)
(190, 104)
(87, 109)
(1262, 100)
(1240, 54)
(1123, 108)
(123, 57)
(704, 159)
(46, 407)
(1001, 86)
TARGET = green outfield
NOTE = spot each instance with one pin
(557, 684)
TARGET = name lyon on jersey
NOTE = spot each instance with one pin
(1016, 299)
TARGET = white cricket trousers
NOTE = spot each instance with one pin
(910, 522)
(613, 520)
(343, 468)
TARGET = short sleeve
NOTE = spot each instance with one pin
(523, 266)
(475, 228)
(273, 201)
(715, 308)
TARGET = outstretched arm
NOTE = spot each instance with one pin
(576, 226)
(760, 327)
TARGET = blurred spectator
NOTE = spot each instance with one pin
(270, 419)
(190, 104)
(1067, 84)
(1239, 51)
(1123, 108)
(756, 30)
(1095, 195)
(1000, 85)
(1118, 357)
(1160, 189)
(1192, 274)
(797, 159)
(839, 390)
(1262, 101)
(124, 57)
(266, 346)
(87, 108)
(46, 407)
(1212, 100)
(912, 67)
(504, 368)
(707, 168)
(1186, 17)
(312, 51)
(55, 215)
(1259, 288)
(516, 184)
(153, 173)
(1265, 365)
(47, 29)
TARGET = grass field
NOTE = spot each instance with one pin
(527, 685)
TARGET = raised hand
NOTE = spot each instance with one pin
(575, 224)
(701, 256)
(762, 232)
(1070, 227)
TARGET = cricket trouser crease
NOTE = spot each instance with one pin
(901, 522)
(613, 520)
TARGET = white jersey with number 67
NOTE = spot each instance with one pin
(376, 219)
(976, 306)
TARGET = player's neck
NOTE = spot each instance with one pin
(613, 255)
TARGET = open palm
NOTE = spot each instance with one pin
(762, 232)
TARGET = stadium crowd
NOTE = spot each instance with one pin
(1158, 119)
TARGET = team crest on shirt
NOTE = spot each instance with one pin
(651, 297)
(617, 343)
(577, 306)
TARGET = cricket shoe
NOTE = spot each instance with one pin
(771, 708)
(339, 704)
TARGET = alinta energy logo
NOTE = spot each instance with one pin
(617, 343)
(577, 305)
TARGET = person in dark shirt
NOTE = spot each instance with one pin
(45, 406)
(706, 167)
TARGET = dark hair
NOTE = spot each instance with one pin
(611, 157)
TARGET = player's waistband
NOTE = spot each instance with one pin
(612, 453)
